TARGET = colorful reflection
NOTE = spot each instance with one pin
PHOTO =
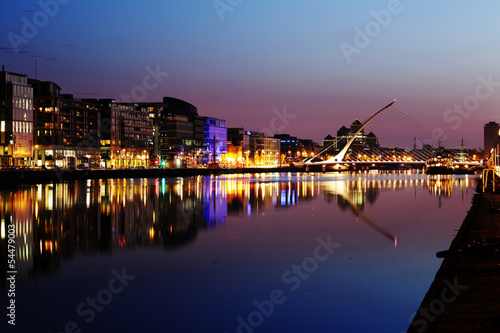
(54, 222)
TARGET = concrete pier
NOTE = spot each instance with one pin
(465, 294)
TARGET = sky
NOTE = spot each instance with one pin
(305, 68)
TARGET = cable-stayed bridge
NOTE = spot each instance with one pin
(396, 128)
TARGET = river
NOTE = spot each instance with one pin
(333, 252)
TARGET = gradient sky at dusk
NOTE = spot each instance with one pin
(273, 55)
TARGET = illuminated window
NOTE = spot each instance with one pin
(2, 126)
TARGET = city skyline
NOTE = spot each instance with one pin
(322, 64)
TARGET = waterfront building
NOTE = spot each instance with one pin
(178, 132)
(81, 132)
(66, 131)
(238, 147)
(362, 143)
(214, 141)
(290, 148)
(136, 134)
(491, 135)
(309, 147)
(344, 134)
(47, 102)
(126, 136)
(16, 119)
(47, 125)
(40, 126)
(264, 151)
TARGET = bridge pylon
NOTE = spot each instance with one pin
(340, 156)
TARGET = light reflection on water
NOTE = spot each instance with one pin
(256, 224)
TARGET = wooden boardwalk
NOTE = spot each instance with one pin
(465, 294)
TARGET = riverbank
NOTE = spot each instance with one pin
(28, 176)
(465, 294)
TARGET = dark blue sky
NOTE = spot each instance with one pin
(325, 62)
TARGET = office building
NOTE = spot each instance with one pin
(81, 126)
(178, 132)
(362, 143)
(214, 140)
(290, 148)
(238, 147)
(264, 151)
(16, 119)
(491, 134)
(126, 136)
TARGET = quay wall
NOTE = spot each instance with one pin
(464, 294)
(46, 176)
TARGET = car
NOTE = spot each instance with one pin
(83, 166)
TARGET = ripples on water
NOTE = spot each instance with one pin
(231, 253)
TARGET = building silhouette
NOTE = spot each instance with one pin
(47, 104)
(290, 148)
(362, 142)
(491, 134)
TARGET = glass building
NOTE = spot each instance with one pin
(264, 151)
(214, 140)
(16, 119)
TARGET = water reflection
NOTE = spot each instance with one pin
(57, 221)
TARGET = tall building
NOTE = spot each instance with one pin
(126, 135)
(491, 135)
(47, 134)
(48, 130)
(66, 131)
(47, 102)
(214, 140)
(178, 132)
(16, 119)
(264, 151)
(238, 147)
(361, 142)
(309, 147)
(290, 148)
(81, 130)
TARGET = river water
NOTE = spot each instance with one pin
(334, 252)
